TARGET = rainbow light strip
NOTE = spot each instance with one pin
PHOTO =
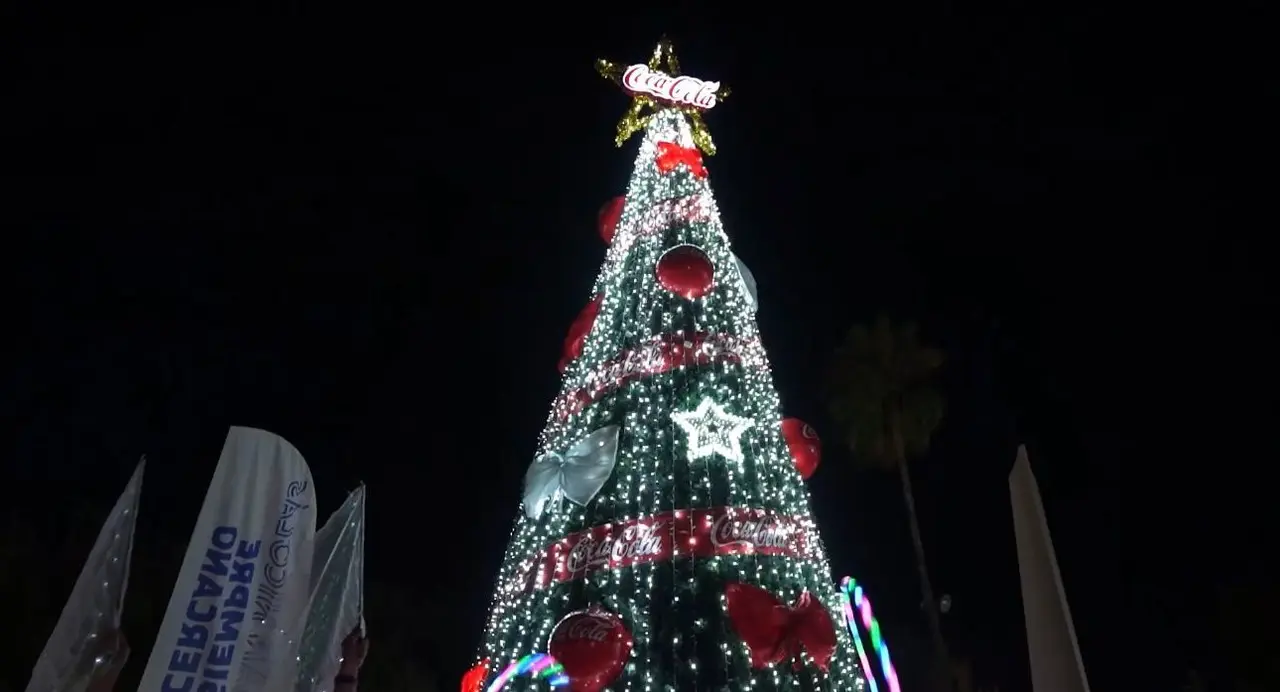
(852, 596)
(847, 602)
(535, 666)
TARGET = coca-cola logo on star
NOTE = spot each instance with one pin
(689, 91)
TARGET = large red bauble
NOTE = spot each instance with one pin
(578, 331)
(806, 448)
(607, 220)
(686, 271)
(593, 646)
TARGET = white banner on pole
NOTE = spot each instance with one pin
(82, 643)
(235, 617)
(337, 595)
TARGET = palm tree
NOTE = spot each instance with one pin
(887, 409)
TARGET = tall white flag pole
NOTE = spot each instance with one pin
(1056, 665)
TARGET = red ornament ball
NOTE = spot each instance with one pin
(593, 646)
(607, 220)
(578, 331)
(686, 271)
(806, 448)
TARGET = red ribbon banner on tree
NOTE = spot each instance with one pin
(672, 155)
(661, 537)
(658, 356)
(775, 632)
(658, 218)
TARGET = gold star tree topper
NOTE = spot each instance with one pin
(658, 84)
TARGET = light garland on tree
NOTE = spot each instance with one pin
(712, 430)
(536, 666)
(853, 597)
(651, 483)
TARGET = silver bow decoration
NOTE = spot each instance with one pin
(578, 474)
(748, 281)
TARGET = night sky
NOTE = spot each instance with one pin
(369, 233)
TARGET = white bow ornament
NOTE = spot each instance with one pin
(578, 474)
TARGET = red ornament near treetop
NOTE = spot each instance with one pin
(593, 646)
(686, 271)
(802, 441)
(610, 215)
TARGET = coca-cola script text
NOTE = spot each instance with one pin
(657, 356)
(687, 533)
(688, 91)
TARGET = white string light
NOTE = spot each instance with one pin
(712, 430)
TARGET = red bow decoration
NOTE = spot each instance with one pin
(474, 679)
(671, 155)
(775, 632)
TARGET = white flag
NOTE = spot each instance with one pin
(337, 595)
(236, 613)
(81, 644)
(1051, 636)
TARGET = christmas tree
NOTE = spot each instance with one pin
(665, 540)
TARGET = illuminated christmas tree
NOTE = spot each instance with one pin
(665, 540)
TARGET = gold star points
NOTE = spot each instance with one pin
(665, 87)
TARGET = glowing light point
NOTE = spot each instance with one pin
(712, 430)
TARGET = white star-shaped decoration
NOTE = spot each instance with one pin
(712, 430)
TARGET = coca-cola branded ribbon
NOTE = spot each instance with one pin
(656, 219)
(671, 156)
(775, 632)
(669, 535)
(577, 475)
(657, 356)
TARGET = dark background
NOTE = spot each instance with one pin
(368, 233)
